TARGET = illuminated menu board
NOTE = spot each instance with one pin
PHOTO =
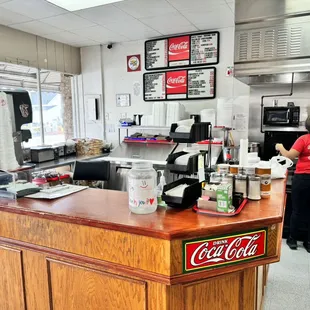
(199, 49)
(187, 84)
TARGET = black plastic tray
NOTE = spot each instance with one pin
(199, 132)
(190, 196)
(190, 168)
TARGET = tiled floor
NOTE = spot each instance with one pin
(288, 285)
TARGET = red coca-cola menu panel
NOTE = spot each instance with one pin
(187, 84)
(197, 49)
(176, 84)
(224, 250)
(178, 51)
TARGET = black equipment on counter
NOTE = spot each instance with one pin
(56, 152)
(196, 117)
(41, 154)
(137, 119)
(59, 151)
(70, 149)
(21, 113)
(281, 116)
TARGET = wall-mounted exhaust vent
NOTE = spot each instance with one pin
(272, 38)
(272, 43)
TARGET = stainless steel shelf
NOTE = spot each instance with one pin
(285, 129)
(139, 128)
(145, 127)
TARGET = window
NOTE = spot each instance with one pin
(56, 102)
(53, 122)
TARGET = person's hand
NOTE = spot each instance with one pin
(279, 146)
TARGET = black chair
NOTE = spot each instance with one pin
(91, 171)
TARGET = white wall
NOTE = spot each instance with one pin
(29, 50)
(118, 80)
(90, 84)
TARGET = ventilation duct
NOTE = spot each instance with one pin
(272, 40)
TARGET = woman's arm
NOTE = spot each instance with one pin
(291, 154)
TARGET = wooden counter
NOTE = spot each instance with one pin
(87, 251)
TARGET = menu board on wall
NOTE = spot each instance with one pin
(182, 51)
(187, 84)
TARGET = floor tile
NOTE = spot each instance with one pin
(285, 301)
(288, 283)
(300, 270)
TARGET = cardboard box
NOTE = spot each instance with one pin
(224, 198)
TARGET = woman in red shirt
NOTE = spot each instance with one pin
(300, 186)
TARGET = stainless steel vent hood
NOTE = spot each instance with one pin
(272, 40)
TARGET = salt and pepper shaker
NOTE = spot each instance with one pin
(254, 187)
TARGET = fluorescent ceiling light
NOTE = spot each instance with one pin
(74, 5)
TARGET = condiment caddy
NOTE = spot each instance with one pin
(247, 183)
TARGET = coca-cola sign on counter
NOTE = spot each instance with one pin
(225, 250)
(178, 48)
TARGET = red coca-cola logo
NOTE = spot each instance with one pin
(176, 82)
(218, 252)
(179, 48)
(182, 46)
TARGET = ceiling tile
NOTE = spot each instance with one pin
(64, 37)
(8, 17)
(68, 21)
(134, 30)
(36, 27)
(85, 43)
(145, 8)
(220, 18)
(36, 9)
(167, 22)
(201, 4)
(100, 34)
(178, 30)
(105, 14)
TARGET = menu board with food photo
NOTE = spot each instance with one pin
(182, 51)
(187, 84)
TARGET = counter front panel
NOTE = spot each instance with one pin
(87, 251)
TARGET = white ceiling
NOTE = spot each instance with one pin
(119, 22)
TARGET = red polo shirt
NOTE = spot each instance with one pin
(302, 145)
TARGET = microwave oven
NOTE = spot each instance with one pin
(281, 116)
